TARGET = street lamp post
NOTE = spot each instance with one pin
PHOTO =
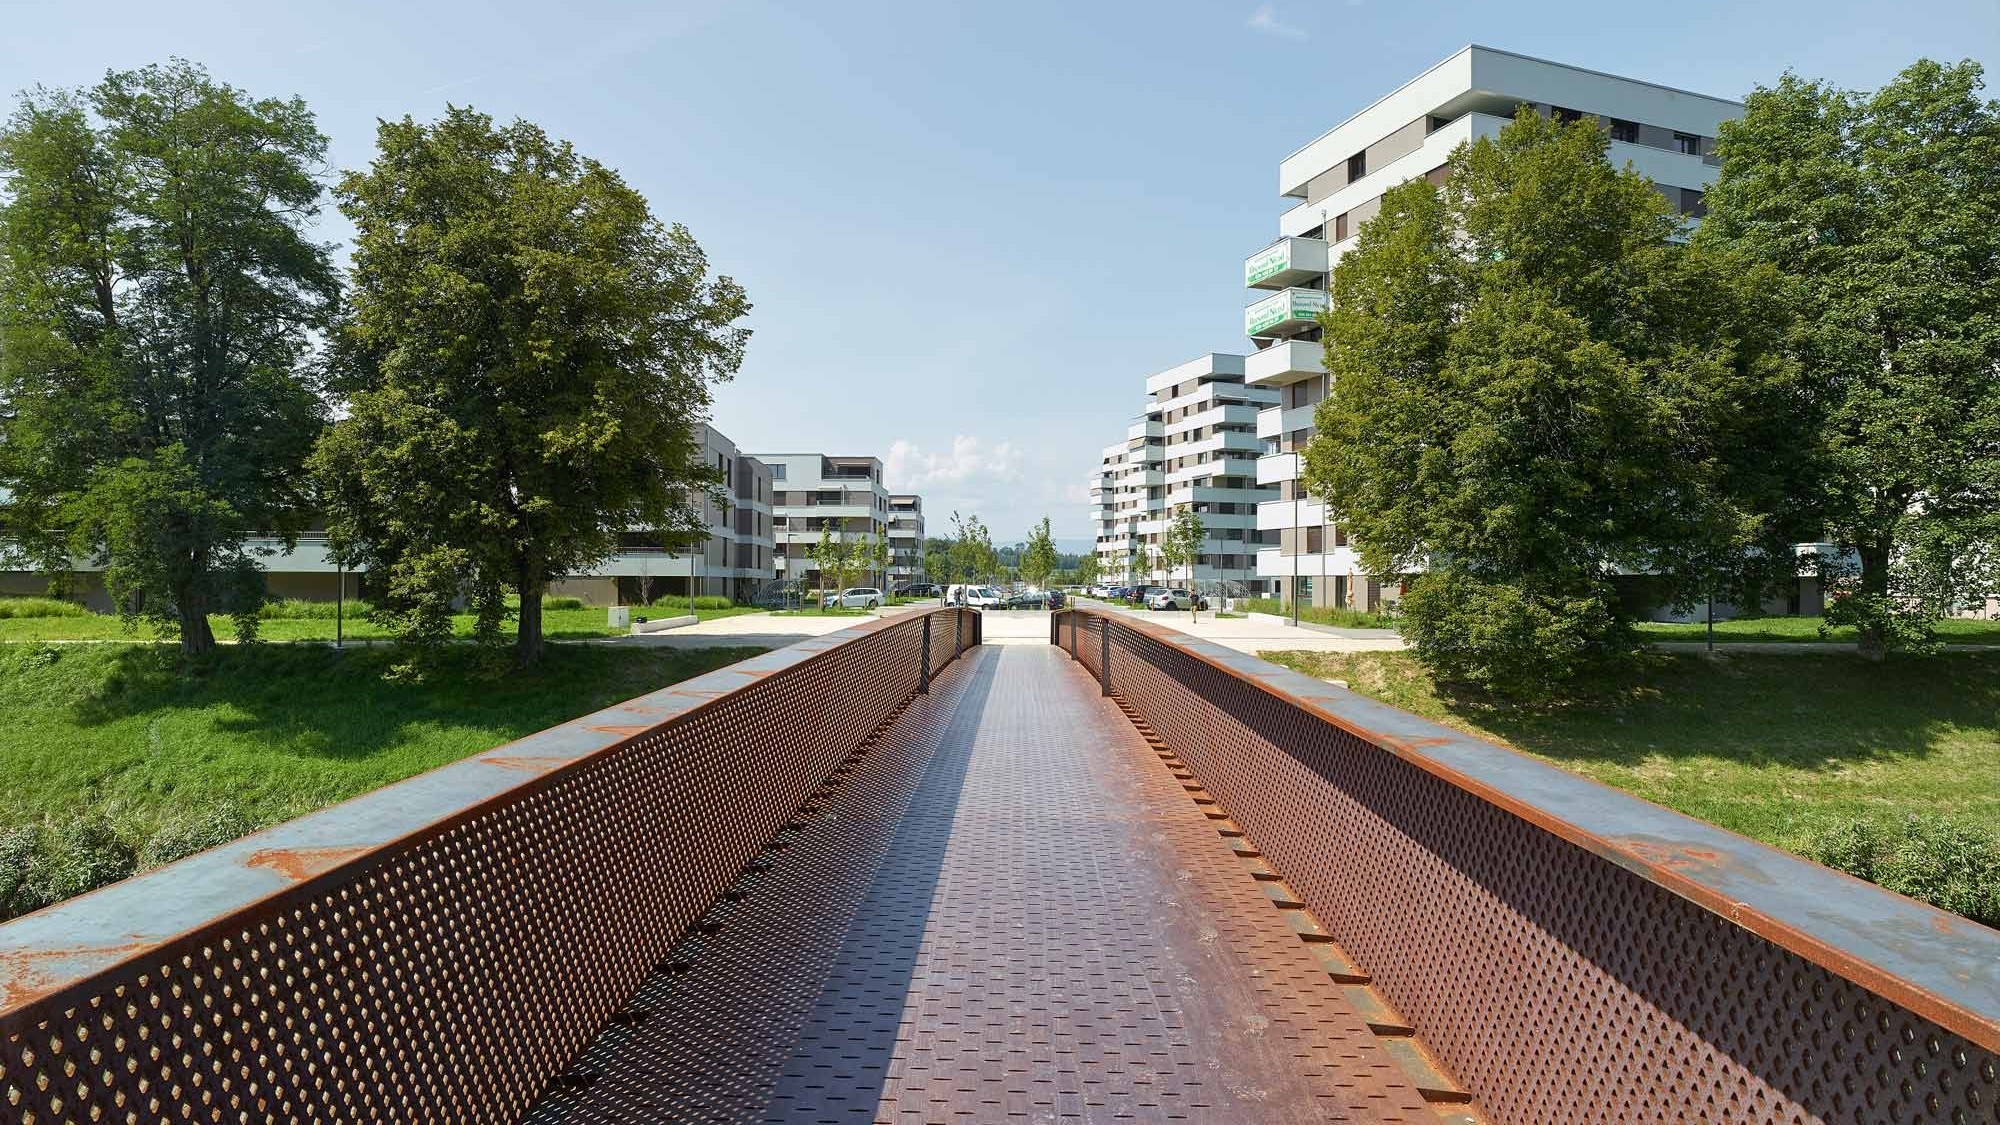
(1298, 525)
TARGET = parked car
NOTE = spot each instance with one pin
(858, 597)
(1143, 595)
(1168, 599)
(977, 597)
(917, 590)
(1057, 598)
(1027, 599)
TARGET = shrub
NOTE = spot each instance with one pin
(40, 607)
(46, 863)
(1507, 638)
(301, 609)
(1951, 865)
(1338, 616)
(680, 601)
(198, 833)
(564, 601)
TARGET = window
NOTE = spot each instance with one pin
(1625, 131)
(1357, 166)
(777, 472)
(1340, 227)
(1564, 115)
(1688, 144)
(1692, 203)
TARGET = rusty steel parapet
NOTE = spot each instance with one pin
(1574, 953)
(438, 949)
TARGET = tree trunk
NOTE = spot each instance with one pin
(197, 639)
(1874, 583)
(528, 645)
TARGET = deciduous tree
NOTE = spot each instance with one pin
(1181, 547)
(527, 353)
(1039, 560)
(1536, 387)
(1881, 214)
(159, 302)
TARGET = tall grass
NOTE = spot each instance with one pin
(680, 601)
(1318, 614)
(40, 607)
(303, 609)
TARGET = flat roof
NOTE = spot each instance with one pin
(1350, 118)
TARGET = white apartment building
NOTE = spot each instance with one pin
(1335, 184)
(1196, 447)
(906, 538)
(734, 561)
(814, 491)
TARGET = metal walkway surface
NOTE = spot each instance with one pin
(1004, 908)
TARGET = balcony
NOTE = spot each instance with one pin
(1279, 422)
(1287, 312)
(1277, 515)
(1284, 263)
(1289, 361)
(1276, 468)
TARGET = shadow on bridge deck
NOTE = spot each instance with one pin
(1007, 910)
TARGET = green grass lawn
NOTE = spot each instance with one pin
(1770, 746)
(557, 624)
(1889, 770)
(1745, 630)
(1767, 745)
(125, 740)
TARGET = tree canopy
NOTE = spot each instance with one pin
(1881, 215)
(159, 305)
(1535, 388)
(1041, 558)
(527, 355)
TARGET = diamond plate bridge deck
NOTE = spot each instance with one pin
(1010, 911)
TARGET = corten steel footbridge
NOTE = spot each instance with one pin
(897, 874)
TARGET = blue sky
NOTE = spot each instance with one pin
(969, 230)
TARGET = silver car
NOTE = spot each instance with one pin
(860, 597)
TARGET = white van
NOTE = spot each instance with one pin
(978, 597)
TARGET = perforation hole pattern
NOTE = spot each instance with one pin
(451, 978)
(1558, 986)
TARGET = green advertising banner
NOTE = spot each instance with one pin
(1273, 261)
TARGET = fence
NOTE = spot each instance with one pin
(1573, 953)
(437, 950)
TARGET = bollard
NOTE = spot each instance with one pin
(924, 668)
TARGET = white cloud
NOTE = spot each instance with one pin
(910, 467)
(1265, 21)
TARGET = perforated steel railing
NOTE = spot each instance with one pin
(1572, 953)
(437, 950)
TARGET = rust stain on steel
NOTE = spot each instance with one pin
(1626, 925)
(300, 864)
(26, 975)
(524, 764)
(414, 955)
(622, 730)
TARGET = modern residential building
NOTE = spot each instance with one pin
(814, 491)
(906, 538)
(1335, 184)
(1195, 447)
(734, 561)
